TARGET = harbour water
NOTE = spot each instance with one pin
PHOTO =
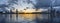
(28, 18)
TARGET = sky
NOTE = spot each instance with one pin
(21, 5)
(30, 4)
(3, 1)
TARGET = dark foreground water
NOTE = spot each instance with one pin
(29, 18)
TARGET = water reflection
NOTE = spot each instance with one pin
(24, 18)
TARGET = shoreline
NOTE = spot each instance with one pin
(26, 13)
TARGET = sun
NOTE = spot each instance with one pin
(29, 11)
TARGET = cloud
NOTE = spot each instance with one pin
(42, 3)
(28, 3)
(46, 3)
